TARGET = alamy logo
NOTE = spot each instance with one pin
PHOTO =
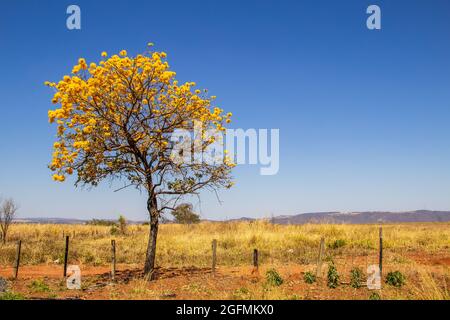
(235, 146)
(73, 22)
(374, 20)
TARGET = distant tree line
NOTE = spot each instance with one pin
(117, 227)
(184, 214)
(101, 222)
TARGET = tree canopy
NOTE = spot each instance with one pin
(184, 214)
(116, 120)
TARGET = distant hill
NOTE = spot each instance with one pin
(364, 217)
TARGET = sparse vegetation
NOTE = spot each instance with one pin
(356, 278)
(189, 247)
(273, 278)
(374, 296)
(114, 230)
(39, 286)
(11, 296)
(396, 279)
(309, 277)
(336, 244)
(242, 294)
(332, 276)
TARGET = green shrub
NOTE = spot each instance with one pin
(122, 225)
(309, 277)
(396, 279)
(333, 276)
(39, 286)
(11, 296)
(374, 296)
(241, 294)
(356, 278)
(339, 243)
(114, 230)
(273, 278)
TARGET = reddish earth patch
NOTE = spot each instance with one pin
(177, 283)
(242, 282)
(437, 259)
(442, 261)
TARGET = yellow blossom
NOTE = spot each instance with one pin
(59, 178)
(94, 106)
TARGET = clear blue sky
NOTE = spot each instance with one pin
(363, 115)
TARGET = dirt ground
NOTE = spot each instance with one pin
(244, 282)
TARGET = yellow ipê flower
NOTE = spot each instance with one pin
(95, 98)
(82, 63)
(59, 178)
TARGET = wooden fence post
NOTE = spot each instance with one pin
(66, 255)
(214, 249)
(255, 259)
(113, 260)
(381, 253)
(17, 262)
(320, 256)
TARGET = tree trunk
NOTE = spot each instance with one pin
(152, 208)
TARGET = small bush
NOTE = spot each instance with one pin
(309, 277)
(273, 278)
(3, 285)
(114, 230)
(122, 225)
(396, 279)
(339, 243)
(39, 286)
(241, 294)
(374, 296)
(333, 276)
(356, 278)
(11, 296)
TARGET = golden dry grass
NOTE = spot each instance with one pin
(190, 245)
(420, 251)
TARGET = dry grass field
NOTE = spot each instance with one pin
(421, 252)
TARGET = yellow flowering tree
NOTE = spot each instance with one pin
(115, 120)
